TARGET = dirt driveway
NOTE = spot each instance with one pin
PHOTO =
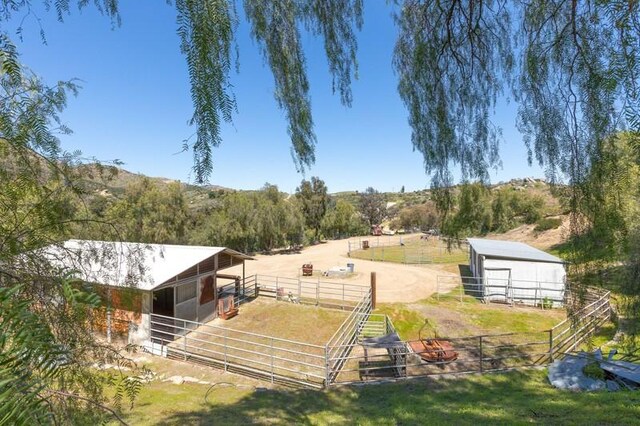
(395, 282)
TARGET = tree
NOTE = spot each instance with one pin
(342, 220)
(261, 220)
(373, 207)
(314, 201)
(149, 213)
(47, 351)
(473, 214)
(423, 216)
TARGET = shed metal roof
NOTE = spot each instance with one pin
(511, 250)
(124, 264)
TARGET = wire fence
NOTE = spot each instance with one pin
(543, 294)
(410, 251)
(327, 294)
(258, 355)
(344, 359)
(474, 354)
(341, 343)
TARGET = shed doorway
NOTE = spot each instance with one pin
(498, 285)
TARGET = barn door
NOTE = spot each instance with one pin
(498, 286)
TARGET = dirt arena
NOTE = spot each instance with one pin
(395, 282)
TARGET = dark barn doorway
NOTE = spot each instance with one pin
(163, 302)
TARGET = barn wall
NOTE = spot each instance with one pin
(130, 309)
(526, 277)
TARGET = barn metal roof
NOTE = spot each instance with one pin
(124, 264)
(511, 250)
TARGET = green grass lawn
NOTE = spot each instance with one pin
(509, 398)
(453, 318)
(414, 251)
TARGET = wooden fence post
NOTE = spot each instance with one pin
(551, 345)
(373, 290)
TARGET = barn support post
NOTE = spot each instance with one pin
(373, 290)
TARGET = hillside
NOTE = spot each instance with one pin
(111, 181)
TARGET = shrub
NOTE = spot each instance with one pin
(547, 303)
(547, 223)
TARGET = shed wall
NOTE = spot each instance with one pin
(530, 281)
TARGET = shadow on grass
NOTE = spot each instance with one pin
(512, 398)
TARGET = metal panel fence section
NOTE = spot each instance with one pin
(567, 335)
(264, 356)
(267, 357)
(242, 290)
(322, 293)
(534, 293)
(475, 354)
(341, 343)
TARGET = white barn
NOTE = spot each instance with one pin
(515, 272)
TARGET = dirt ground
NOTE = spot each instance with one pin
(395, 282)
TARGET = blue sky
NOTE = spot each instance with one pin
(135, 103)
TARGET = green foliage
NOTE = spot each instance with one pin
(343, 220)
(452, 60)
(546, 224)
(47, 351)
(547, 303)
(594, 371)
(473, 215)
(275, 25)
(149, 213)
(373, 206)
(423, 217)
(314, 201)
(262, 220)
(206, 30)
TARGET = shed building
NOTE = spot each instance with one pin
(137, 280)
(515, 272)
